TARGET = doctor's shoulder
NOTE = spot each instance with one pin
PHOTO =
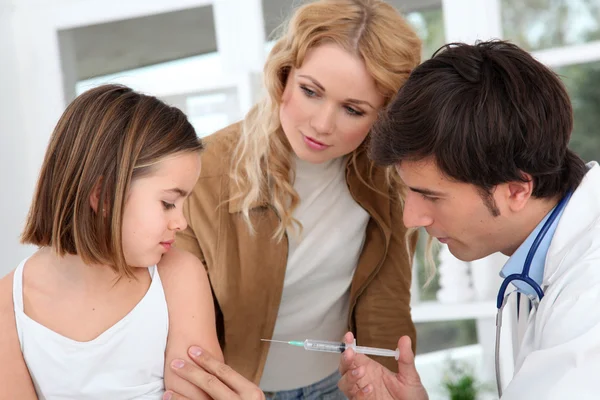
(13, 370)
(579, 263)
(572, 298)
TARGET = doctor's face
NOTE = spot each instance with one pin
(456, 213)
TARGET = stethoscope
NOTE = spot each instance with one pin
(523, 277)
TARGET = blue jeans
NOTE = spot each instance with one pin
(323, 390)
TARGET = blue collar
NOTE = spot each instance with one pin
(515, 263)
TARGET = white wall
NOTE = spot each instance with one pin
(12, 168)
(26, 117)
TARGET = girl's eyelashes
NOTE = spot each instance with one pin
(429, 198)
(168, 206)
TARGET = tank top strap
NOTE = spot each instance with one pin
(18, 300)
(18, 287)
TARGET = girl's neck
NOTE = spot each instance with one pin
(73, 270)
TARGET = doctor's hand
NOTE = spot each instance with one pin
(218, 380)
(363, 378)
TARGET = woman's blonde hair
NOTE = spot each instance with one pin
(108, 136)
(371, 29)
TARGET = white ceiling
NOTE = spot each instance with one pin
(123, 45)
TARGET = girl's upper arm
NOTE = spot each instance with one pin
(191, 315)
(14, 375)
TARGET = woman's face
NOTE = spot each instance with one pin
(329, 104)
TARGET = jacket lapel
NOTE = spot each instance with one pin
(378, 207)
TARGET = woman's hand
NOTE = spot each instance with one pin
(218, 380)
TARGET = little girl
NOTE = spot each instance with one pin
(102, 305)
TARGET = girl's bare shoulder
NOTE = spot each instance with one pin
(13, 370)
(6, 298)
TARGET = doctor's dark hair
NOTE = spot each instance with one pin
(486, 113)
(106, 138)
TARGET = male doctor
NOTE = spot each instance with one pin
(479, 135)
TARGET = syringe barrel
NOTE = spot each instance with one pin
(322, 345)
(374, 351)
(340, 347)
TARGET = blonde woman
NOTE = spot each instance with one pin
(301, 235)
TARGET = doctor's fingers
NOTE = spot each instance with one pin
(364, 394)
(347, 361)
(352, 386)
(349, 380)
(351, 360)
(223, 380)
(206, 381)
(174, 396)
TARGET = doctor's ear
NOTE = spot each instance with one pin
(519, 192)
(95, 197)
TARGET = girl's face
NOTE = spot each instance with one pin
(153, 208)
(329, 104)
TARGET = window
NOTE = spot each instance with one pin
(563, 24)
(541, 24)
(429, 25)
(183, 84)
(582, 82)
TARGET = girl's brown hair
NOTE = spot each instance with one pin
(108, 136)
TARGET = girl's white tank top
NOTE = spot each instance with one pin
(125, 362)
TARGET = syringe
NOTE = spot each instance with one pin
(339, 347)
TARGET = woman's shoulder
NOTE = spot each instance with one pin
(219, 146)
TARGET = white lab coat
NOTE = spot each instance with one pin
(559, 354)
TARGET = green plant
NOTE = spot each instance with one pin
(459, 382)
